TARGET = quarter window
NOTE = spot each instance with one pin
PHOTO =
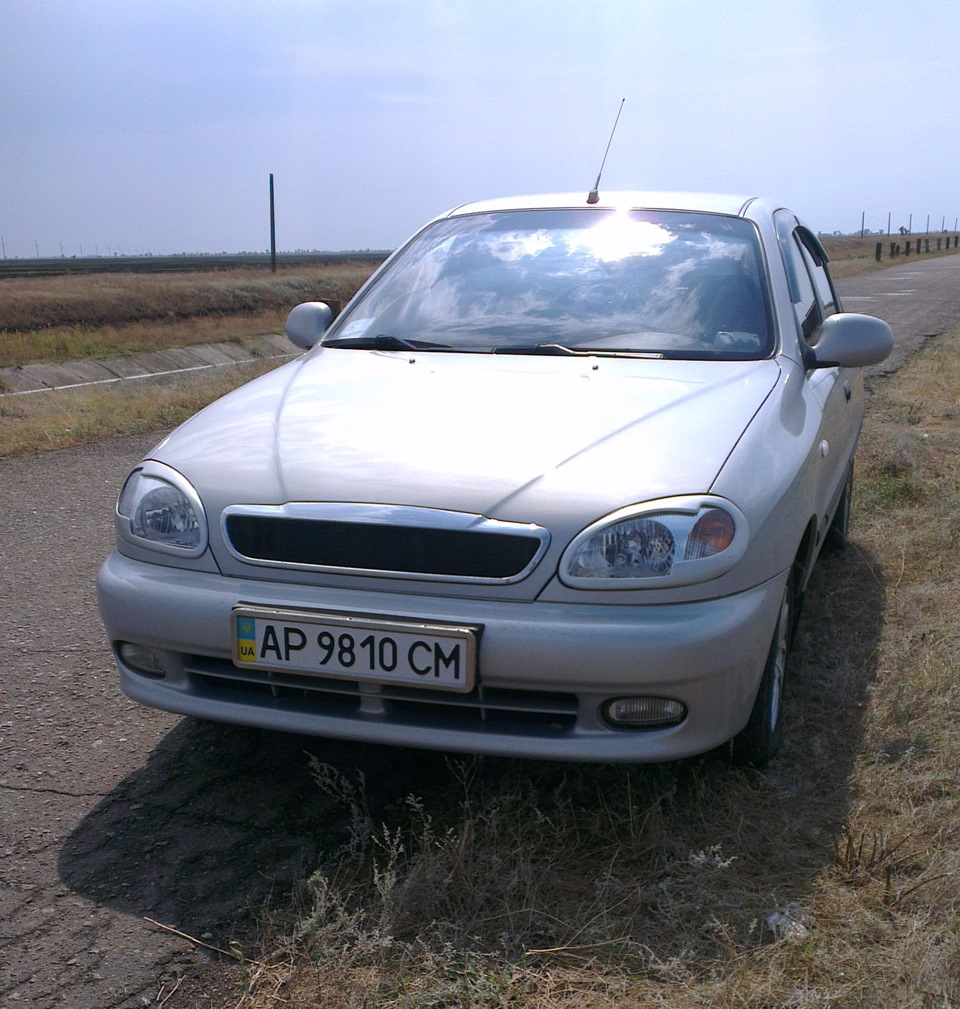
(816, 260)
(805, 303)
(803, 259)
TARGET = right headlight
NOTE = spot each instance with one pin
(673, 541)
(159, 509)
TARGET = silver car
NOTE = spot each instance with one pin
(551, 485)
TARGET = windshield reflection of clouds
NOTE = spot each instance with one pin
(513, 245)
(683, 283)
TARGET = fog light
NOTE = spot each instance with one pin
(144, 660)
(644, 712)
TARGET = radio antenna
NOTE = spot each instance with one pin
(594, 195)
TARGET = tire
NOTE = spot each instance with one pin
(836, 539)
(758, 742)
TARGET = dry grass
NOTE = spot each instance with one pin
(832, 880)
(80, 342)
(66, 417)
(98, 315)
(852, 255)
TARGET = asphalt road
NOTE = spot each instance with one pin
(919, 298)
(111, 813)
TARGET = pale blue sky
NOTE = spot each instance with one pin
(153, 125)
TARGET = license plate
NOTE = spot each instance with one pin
(440, 656)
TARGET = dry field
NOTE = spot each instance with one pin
(850, 255)
(103, 314)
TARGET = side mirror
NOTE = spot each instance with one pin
(848, 340)
(307, 323)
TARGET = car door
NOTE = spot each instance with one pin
(838, 391)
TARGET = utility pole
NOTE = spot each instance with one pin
(273, 231)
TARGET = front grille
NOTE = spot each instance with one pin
(504, 710)
(486, 551)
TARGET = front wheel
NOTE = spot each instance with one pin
(758, 742)
(836, 538)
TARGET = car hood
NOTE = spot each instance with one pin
(522, 438)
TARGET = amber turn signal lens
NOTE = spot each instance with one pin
(712, 533)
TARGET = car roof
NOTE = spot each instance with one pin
(713, 203)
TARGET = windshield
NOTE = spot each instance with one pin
(669, 284)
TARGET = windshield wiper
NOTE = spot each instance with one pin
(383, 342)
(544, 349)
(561, 350)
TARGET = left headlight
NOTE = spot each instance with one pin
(159, 509)
(673, 541)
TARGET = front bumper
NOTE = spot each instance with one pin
(545, 670)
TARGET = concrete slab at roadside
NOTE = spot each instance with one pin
(16, 380)
(54, 376)
(88, 371)
(125, 367)
(48, 376)
(217, 355)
